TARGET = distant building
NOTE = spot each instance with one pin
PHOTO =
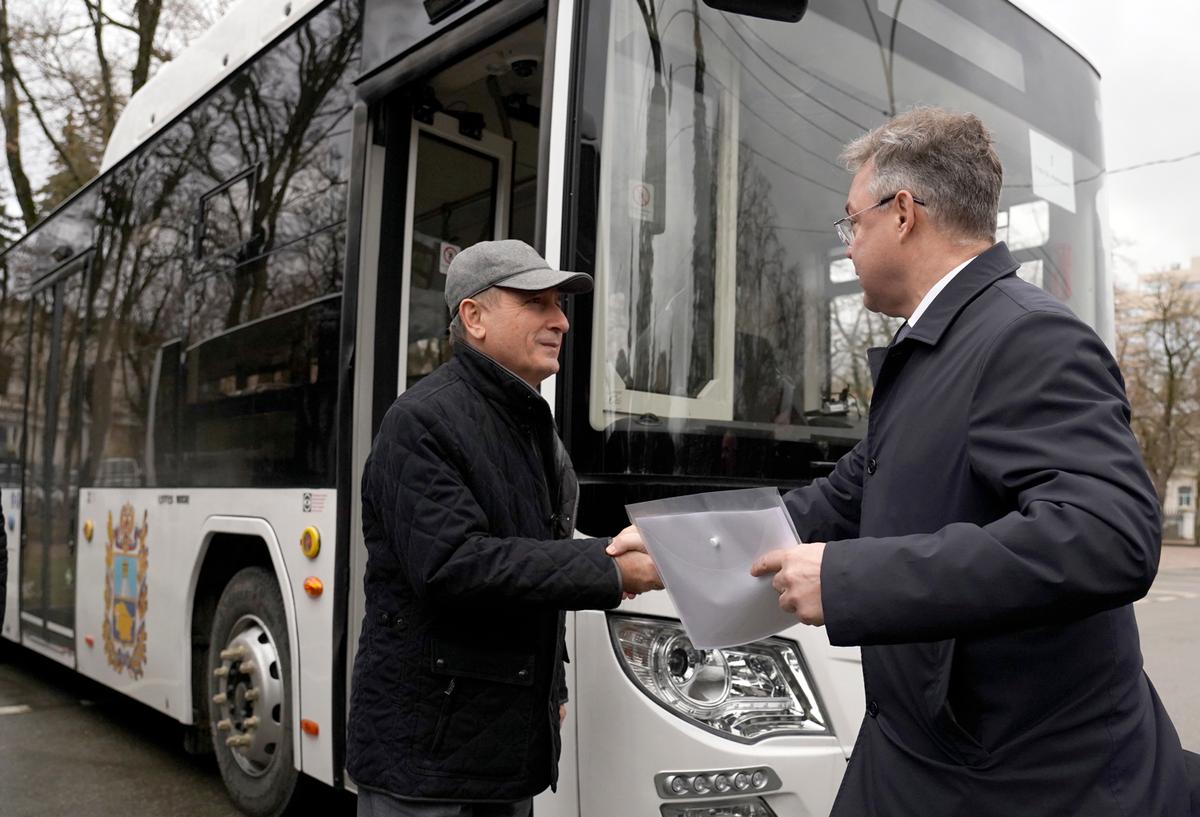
(1190, 275)
(1179, 506)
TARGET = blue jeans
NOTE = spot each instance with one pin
(378, 804)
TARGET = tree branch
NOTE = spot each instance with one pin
(58, 146)
(108, 103)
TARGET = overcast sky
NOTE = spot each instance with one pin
(1150, 89)
(1150, 85)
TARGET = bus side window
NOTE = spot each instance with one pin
(162, 437)
(258, 401)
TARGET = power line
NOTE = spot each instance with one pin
(724, 86)
(1126, 169)
(1140, 165)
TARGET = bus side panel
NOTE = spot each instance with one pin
(565, 801)
(158, 539)
(129, 611)
(10, 615)
(287, 513)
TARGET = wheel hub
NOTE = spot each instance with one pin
(250, 696)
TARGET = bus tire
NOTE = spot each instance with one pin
(249, 695)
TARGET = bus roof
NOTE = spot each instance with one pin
(244, 30)
(1026, 7)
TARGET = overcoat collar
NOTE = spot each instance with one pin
(499, 384)
(988, 267)
(527, 410)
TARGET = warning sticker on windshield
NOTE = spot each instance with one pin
(1053, 171)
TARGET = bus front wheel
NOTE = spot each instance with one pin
(249, 694)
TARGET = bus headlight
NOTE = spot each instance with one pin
(750, 692)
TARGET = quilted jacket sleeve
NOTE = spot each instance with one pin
(443, 544)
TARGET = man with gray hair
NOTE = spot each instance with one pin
(468, 514)
(986, 540)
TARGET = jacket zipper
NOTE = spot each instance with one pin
(544, 482)
(439, 730)
(552, 708)
(558, 641)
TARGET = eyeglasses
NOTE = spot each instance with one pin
(845, 225)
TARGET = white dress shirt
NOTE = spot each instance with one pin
(934, 290)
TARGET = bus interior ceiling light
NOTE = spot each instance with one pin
(747, 692)
(785, 11)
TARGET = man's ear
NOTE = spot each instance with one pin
(905, 218)
(470, 313)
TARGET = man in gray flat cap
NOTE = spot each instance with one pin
(468, 514)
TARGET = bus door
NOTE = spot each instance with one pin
(458, 193)
(453, 158)
(56, 427)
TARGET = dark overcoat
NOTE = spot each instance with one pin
(986, 541)
(468, 505)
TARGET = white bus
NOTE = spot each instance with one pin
(196, 348)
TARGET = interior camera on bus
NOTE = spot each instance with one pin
(524, 65)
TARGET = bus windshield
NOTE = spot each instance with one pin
(727, 330)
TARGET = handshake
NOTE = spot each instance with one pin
(795, 573)
(638, 571)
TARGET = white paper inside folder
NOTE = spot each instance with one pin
(704, 545)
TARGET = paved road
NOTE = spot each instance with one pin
(70, 747)
(1169, 621)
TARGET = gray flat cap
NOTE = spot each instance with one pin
(509, 263)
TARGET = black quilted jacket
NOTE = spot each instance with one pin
(470, 564)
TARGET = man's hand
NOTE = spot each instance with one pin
(562, 714)
(797, 579)
(638, 572)
(626, 541)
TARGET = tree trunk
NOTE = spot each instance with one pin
(11, 115)
(146, 14)
(109, 99)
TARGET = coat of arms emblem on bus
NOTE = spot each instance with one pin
(126, 557)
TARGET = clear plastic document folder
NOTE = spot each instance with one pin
(704, 545)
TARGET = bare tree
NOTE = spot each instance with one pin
(769, 350)
(67, 68)
(276, 118)
(1158, 348)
